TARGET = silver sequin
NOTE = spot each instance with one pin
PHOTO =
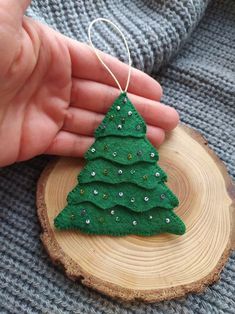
(83, 212)
(95, 192)
(152, 155)
(119, 171)
(168, 220)
(120, 194)
(138, 127)
(92, 149)
(132, 200)
(93, 173)
(157, 174)
(163, 196)
(88, 221)
(112, 212)
(134, 223)
(119, 126)
(150, 217)
(129, 113)
(118, 108)
(146, 199)
(114, 154)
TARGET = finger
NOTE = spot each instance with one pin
(98, 97)
(86, 65)
(84, 122)
(69, 144)
(74, 145)
(11, 16)
(16, 8)
(155, 135)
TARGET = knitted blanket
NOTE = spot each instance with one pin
(195, 64)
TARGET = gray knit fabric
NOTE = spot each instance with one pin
(154, 29)
(198, 81)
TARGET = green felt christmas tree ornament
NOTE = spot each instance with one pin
(121, 190)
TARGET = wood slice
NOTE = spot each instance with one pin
(158, 267)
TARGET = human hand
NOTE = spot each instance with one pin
(54, 91)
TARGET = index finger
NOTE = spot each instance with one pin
(86, 65)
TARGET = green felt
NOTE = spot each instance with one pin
(131, 125)
(133, 196)
(142, 174)
(124, 150)
(121, 160)
(118, 221)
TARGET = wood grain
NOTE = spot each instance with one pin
(158, 267)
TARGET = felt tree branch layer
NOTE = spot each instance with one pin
(121, 190)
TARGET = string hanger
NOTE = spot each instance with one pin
(99, 57)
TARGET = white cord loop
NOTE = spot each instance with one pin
(99, 57)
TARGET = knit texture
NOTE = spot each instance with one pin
(121, 206)
(198, 82)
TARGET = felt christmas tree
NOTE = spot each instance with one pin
(121, 190)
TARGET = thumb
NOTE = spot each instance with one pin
(11, 17)
(15, 8)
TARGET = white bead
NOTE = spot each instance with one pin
(157, 174)
(119, 171)
(118, 108)
(129, 113)
(120, 194)
(134, 222)
(119, 126)
(93, 173)
(112, 212)
(88, 221)
(168, 220)
(162, 196)
(152, 155)
(114, 154)
(146, 199)
(95, 192)
(150, 217)
(92, 149)
(132, 200)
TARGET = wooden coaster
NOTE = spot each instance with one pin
(149, 268)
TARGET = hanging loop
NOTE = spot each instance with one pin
(99, 57)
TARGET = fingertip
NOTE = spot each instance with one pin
(160, 137)
(144, 85)
(156, 135)
(159, 90)
(171, 118)
(154, 87)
